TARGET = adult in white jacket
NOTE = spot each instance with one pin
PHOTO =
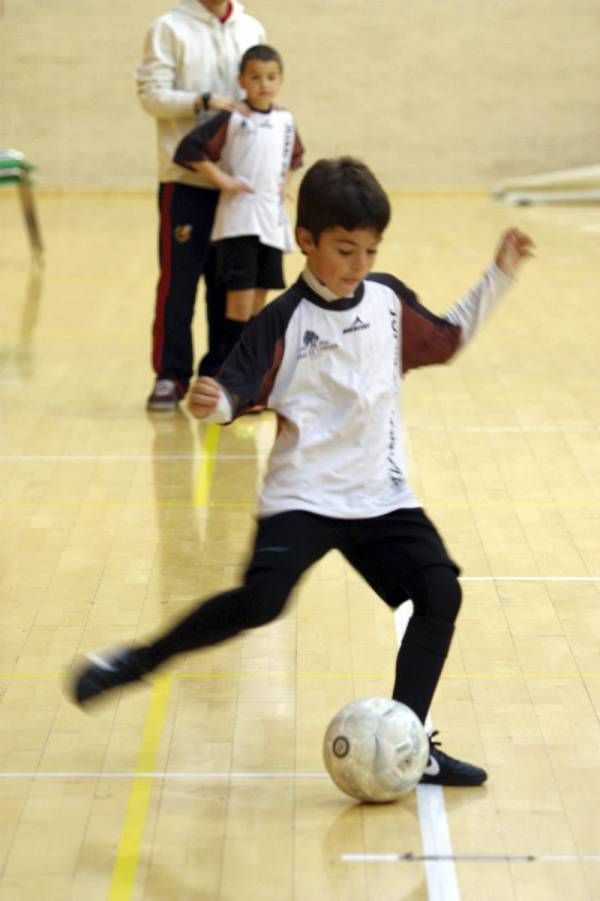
(189, 71)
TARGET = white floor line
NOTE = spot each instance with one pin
(158, 774)
(442, 881)
(475, 858)
(530, 578)
(123, 458)
(510, 429)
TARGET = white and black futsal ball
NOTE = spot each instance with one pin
(375, 749)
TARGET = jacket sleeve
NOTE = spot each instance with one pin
(203, 143)
(156, 76)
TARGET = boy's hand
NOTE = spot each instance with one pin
(203, 396)
(232, 185)
(514, 248)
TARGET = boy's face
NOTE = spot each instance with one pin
(218, 7)
(341, 258)
(261, 82)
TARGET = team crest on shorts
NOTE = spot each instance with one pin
(183, 233)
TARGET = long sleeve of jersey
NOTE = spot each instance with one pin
(249, 371)
(428, 339)
(425, 338)
(472, 310)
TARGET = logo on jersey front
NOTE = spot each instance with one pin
(357, 326)
(312, 345)
(311, 340)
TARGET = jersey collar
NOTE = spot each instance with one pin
(313, 290)
(265, 112)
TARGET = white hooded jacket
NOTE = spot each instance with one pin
(187, 52)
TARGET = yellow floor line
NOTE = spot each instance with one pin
(207, 465)
(128, 852)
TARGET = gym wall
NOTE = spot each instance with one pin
(434, 94)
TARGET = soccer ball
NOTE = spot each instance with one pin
(375, 749)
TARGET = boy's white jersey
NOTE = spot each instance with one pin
(332, 372)
(339, 448)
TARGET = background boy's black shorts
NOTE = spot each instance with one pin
(244, 263)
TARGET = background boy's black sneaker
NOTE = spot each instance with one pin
(442, 769)
(101, 673)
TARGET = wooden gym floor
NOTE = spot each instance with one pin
(209, 784)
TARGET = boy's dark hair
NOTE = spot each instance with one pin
(341, 192)
(262, 52)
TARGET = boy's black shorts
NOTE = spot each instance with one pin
(388, 551)
(244, 263)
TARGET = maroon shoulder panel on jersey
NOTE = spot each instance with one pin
(427, 339)
(203, 143)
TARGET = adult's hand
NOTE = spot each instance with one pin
(218, 103)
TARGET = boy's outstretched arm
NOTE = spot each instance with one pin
(428, 339)
(472, 310)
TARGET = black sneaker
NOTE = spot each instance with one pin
(442, 769)
(106, 672)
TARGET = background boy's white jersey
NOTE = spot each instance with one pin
(258, 150)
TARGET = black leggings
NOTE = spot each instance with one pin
(399, 554)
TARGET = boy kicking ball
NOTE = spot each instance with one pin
(328, 356)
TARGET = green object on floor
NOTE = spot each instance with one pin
(16, 169)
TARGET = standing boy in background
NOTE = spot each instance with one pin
(257, 154)
(190, 67)
(328, 357)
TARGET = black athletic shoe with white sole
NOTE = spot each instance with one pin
(442, 769)
(101, 673)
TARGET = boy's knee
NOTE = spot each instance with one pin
(438, 593)
(263, 610)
